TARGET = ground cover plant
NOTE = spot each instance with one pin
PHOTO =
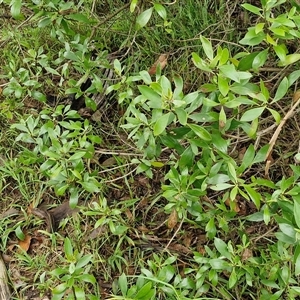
(150, 149)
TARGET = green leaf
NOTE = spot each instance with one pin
(68, 249)
(219, 264)
(281, 90)
(232, 279)
(200, 63)
(74, 195)
(186, 158)
(181, 115)
(260, 59)
(297, 261)
(80, 18)
(252, 38)
(144, 18)
(133, 5)
(229, 71)
(148, 93)
(44, 22)
(248, 157)
(252, 114)
(280, 51)
(296, 199)
(160, 10)
(289, 59)
(60, 289)
(255, 196)
(83, 261)
(71, 55)
(246, 62)
(223, 85)
(123, 284)
(79, 293)
(293, 77)
(87, 278)
(207, 47)
(275, 115)
(15, 9)
(143, 293)
(91, 186)
(160, 126)
(254, 9)
(20, 234)
(201, 132)
(222, 247)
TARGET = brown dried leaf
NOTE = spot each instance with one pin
(173, 219)
(24, 245)
(180, 248)
(162, 60)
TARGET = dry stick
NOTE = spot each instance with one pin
(273, 140)
(174, 235)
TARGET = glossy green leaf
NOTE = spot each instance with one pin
(68, 249)
(223, 85)
(252, 38)
(80, 18)
(254, 195)
(181, 115)
(201, 132)
(281, 90)
(260, 59)
(222, 247)
(280, 51)
(160, 10)
(252, 114)
(207, 47)
(15, 9)
(254, 9)
(144, 17)
(160, 125)
(186, 158)
(229, 71)
(289, 59)
(149, 93)
(200, 63)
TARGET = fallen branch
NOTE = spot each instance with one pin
(4, 287)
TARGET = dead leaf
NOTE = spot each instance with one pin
(162, 61)
(96, 233)
(109, 162)
(187, 240)
(233, 205)
(180, 248)
(129, 215)
(25, 244)
(173, 219)
(247, 253)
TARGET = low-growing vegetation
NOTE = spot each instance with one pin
(150, 149)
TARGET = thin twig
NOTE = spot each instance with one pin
(174, 235)
(121, 177)
(100, 151)
(289, 114)
(115, 168)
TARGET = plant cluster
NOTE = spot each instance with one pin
(213, 143)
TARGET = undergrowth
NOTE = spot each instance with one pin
(150, 150)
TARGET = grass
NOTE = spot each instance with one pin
(127, 234)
